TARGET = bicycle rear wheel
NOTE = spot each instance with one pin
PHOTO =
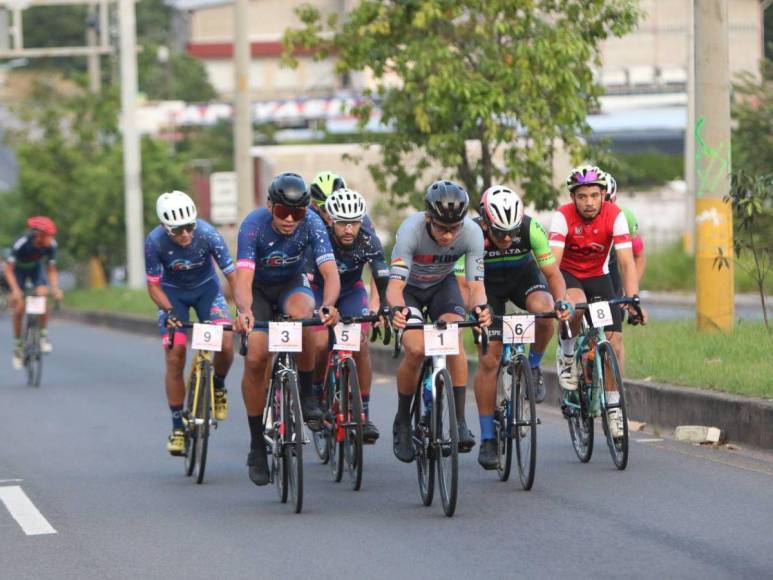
(321, 438)
(525, 421)
(446, 441)
(203, 414)
(293, 439)
(336, 404)
(423, 435)
(353, 442)
(610, 377)
(581, 426)
(503, 421)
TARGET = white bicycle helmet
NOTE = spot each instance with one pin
(611, 188)
(345, 205)
(502, 208)
(175, 209)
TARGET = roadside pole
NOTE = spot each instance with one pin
(131, 146)
(714, 287)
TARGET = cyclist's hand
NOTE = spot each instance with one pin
(172, 321)
(564, 310)
(383, 317)
(483, 314)
(633, 315)
(57, 294)
(328, 315)
(244, 322)
(399, 317)
(17, 297)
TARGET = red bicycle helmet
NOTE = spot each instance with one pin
(42, 224)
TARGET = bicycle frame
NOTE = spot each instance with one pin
(200, 358)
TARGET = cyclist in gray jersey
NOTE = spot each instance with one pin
(422, 277)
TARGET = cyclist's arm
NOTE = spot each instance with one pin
(556, 282)
(461, 279)
(394, 292)
(477, 294)
(623, 247)
(546, 260)
(10, 276)
(53, 280)
(379, 269)
(558, 231)
(638, 256)
(331, 283)
(158, 296)
(374, 300)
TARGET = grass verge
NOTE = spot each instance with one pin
(112, 299)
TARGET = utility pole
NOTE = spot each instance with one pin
(714, 285)
(4, 38)
(243, 110)
(689, 137)
(95, 73)
(131, 145)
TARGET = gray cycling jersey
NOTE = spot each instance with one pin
(419, 259)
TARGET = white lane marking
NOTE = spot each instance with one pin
(648, 440)
(11, 480)
(24, 511)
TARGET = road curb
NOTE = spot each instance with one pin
(744, 420)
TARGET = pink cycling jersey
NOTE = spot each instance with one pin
(587, 243)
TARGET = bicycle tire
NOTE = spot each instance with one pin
(272, 435)
(190, 423)
(581, 427)
(203, 414)
(525, 426)
(503, 423)
(33, 358)
(321, 438)
(293, 435)
(618, 448)
(353, 440)
(422, 438)
(446, 441)
(336, 397)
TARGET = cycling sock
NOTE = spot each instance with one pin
(567, 346)
(219, 381)
(404, 408)
(306, 383)
(317, 388)
(366, 405)
(613, 397)
(486, 427)
(256, 431)
(460, 395)
(177, 417)
(18, 342)
(43, 332)
(535, 358)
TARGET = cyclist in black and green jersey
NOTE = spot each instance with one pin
(520, 267)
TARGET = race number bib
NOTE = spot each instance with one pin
(35, 305)
(207, 337)
(441, 342)
(348, 337)
(600, 314)
(285, 337)
(518, 329)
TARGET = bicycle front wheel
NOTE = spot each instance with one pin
(321, 438)
(446, 441)
(524, 421)
(423, 435)
(203, 414)
(611, 380)
(353, 414)
(581, 426)
(503, 421)
(293, 440)
(190, 422)
(33, 357)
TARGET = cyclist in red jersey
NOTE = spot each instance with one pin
(582, 235)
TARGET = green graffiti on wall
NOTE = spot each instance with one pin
(711, 164)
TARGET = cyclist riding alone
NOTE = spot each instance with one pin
(354, 246)
(180, 275)
(519, 267)
(32, 263)
(271, 277)
(426, 250)
(582, 234)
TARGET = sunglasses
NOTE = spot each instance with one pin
(441, 229)
(283, 212)
(177, 230)
(347, 223)
(502, 234)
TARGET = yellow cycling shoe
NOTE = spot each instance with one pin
(176, 442)
(221, 404)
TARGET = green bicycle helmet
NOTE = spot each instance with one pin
(323, 184)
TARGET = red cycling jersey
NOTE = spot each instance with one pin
(587, 243)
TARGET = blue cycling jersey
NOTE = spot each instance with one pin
(274, 257)
(25, 256)
(170, 264)
(367, 249)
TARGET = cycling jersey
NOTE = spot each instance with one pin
(637, 245)
(418, 259)
(529, 242)
(587, 243)
(367, 249)
(25, 256)
(274, 257)
(175, 266)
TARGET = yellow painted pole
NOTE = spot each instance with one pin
(714, 285)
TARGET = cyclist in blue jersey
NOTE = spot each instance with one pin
(32, 260)
(180, 274)
(271, 277)
(354, 246)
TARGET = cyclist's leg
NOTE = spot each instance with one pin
(320, 337)
(18, 305)
(567, 372)
(602, 288)
(174, 363)
(485, 380)
(210, 306)
(407, 377)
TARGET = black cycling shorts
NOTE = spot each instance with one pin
(268, 300)
(442, 298)
(525, 280)
(596, 289)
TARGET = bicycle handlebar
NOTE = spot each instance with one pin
(441, 324)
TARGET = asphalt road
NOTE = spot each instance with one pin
(87, 448)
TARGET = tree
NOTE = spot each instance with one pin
(513, 77)
(753, 116)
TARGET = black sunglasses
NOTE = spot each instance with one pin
(177, 230)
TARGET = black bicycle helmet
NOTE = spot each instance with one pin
(447, 202)
(289, 189)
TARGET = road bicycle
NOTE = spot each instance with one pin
(598, 373)
(199, 410)
(515, 416)
(433, 412)
(32, 354)
(340, 441)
